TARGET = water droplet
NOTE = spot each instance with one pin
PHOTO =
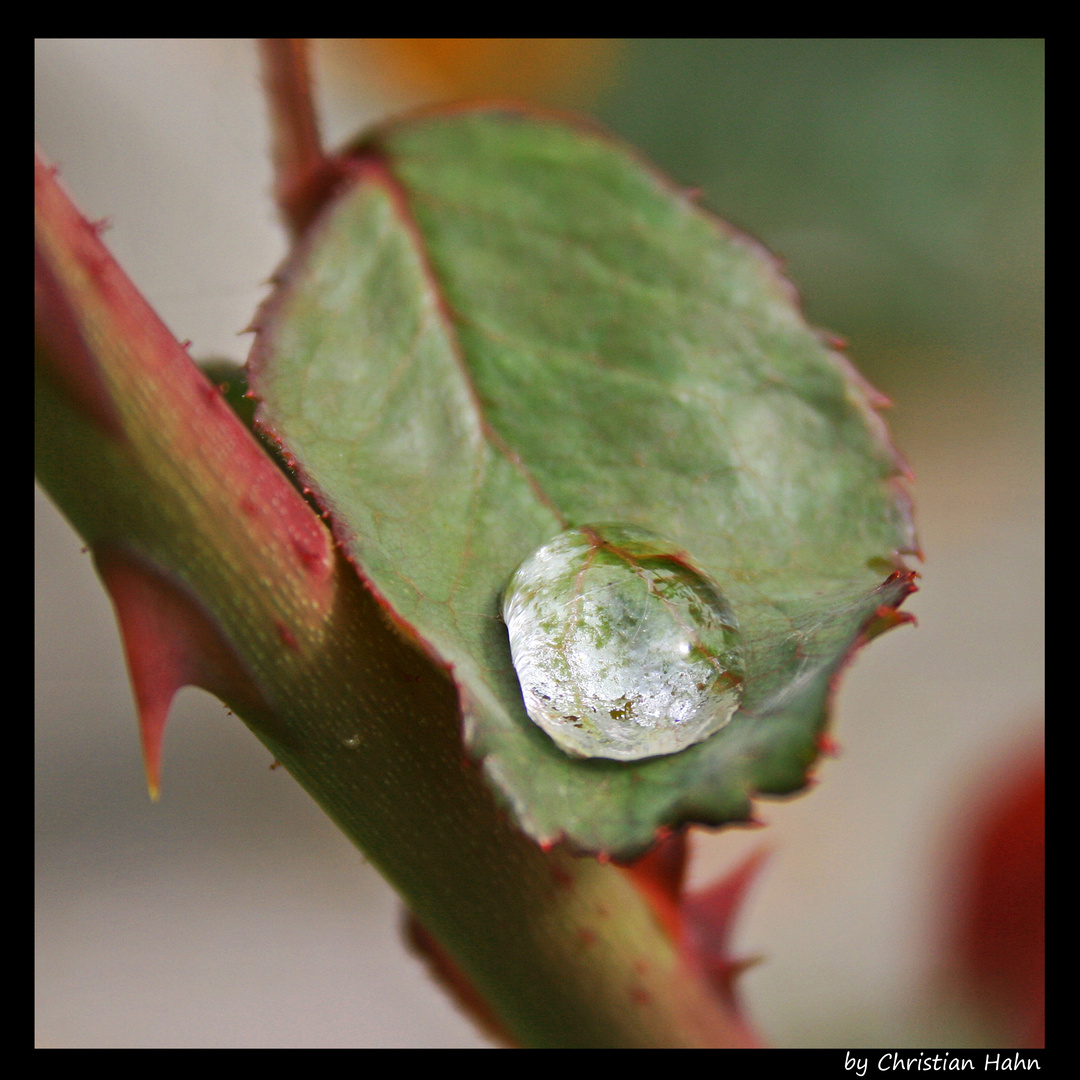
(623, 648)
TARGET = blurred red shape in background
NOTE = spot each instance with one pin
(999, 936)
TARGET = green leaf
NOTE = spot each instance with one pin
(506, 325)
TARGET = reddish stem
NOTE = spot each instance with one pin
(303, 172)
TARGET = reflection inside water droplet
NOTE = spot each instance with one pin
(623, 648)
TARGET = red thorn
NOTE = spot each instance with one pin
(827, 745)
(708, 919)
(170, 642)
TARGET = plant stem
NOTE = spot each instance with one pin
(177, 499)
(303, 173)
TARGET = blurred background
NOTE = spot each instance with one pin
(902, 184)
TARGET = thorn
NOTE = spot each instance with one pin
(709, 918)
(169, 642)
(827, 745)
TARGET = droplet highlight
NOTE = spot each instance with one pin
(624, 649)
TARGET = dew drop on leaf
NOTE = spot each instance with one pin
(623, 648)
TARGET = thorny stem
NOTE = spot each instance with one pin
(181, 506)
